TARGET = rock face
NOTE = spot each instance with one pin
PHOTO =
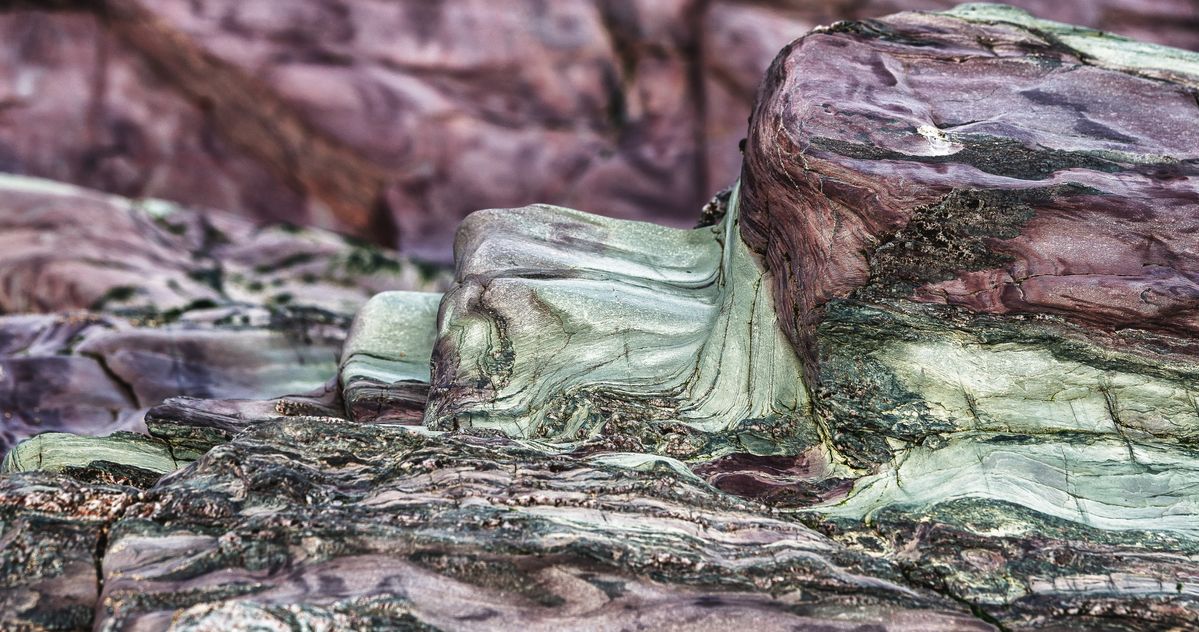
(182, 303)
(1022, 263)
(393, 120)
(899, 379)
(566, 327)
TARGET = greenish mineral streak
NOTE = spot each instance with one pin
(392, 338)
(957, 406)
(1099, 48)
(634, 325)
(1013, 388)
(1099, 481)
(54, 451)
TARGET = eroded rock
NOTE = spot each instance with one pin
(387, 527)
(895, 380)
(145, 300)
(567, 327)
(392, 121)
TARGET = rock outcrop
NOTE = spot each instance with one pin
(392, 121)
(928, 367)
(118, 305)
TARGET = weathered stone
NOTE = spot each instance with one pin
(803, 414)
(182, 303)
(384, 372)
(1019, 263)
(54, 529)
(392, 121)
(385, 527)
(567, 327)
(742, 37)
(57, 451)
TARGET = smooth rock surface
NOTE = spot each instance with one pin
(564, 327)
(385, 360)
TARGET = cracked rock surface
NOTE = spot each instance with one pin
(928, 366)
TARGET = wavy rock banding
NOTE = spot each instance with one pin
(929, 366)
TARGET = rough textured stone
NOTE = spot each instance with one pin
(179, 303)
(393, 120)
(800, 415)
(1020, 263)
(53, 527)
(366, 526)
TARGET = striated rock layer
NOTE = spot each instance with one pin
(929, 367)
(143, 300)
(564, 327)
(1023, 262)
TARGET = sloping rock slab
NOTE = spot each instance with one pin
(353, 525)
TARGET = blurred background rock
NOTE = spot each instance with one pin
(390, 120)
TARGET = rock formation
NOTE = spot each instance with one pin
(393, 120)
(118, 305)
(929, 366)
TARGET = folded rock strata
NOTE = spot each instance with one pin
(563, 326)
(930, 367)
(1022, 263)
(402, 529)
(384, 372)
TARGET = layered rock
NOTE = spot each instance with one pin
(1020, 263)
(566, 327)
(179, 303)
(899, 379)
(53, 530)
(384, 373)
(392, 121)
(312, 522)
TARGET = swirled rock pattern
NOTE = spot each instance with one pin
(930, 366)
(563, 326)
(1022, 262)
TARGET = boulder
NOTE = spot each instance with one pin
(1020, 263)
